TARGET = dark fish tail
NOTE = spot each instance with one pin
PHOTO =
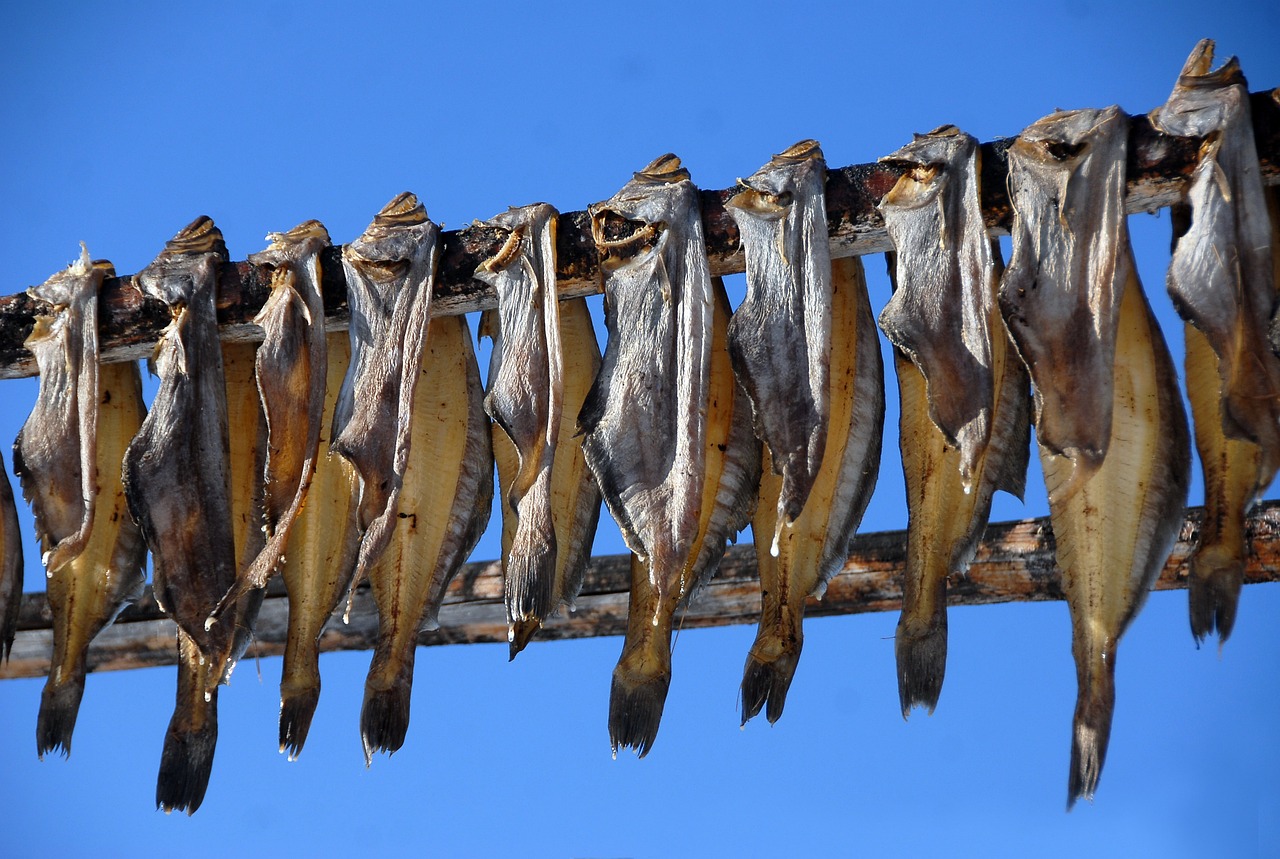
(641, 680)
(920, 646)
(520, 634)
(1091, 729)
(771, 664)
(530, 575)
(384, 717)
(299, 695)
(1213, 588)
(187, 759)
(59, 706)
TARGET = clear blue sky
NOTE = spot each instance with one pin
(123, 121)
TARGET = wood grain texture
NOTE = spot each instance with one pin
(1014, 564)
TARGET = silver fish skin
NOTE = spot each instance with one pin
(965, 411)
(780, 335)
(10, 568)
(525, 397)
(644, 420)
(178, 486)
(390, 272)
(54, 451)
(1060, 295)
(289, 373)
(1115, 522)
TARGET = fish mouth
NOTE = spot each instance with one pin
(919, 184)
(620, 239)
(382, 270)
(761, 201)
(507, 254)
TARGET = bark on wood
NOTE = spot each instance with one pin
(1013, 564)
(1157, 175)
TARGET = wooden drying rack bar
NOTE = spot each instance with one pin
(1014, 563)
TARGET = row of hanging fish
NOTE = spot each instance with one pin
(335, 459)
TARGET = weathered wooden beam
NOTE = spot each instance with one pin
(1013, 564)
(1157, 172)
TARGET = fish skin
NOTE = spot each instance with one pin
(178, 485)
(1115, 524)
(733, 466)
(1222, 279)
(390, 271)
(964, 424)
(289, 373)
(10, 568)
(89, 591)
(575, 498)
(780, 335)
(1065, 335)
(54, 452)
(816, 545)
(436, 524)
(525, 397)
(317, 567)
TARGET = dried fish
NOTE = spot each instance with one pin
(575, 498)
(732, 455)
(390, 273)
(317, 567)
(10, 568)
(1114, 525)
(525, 397)
(965, 402)
(443, 508)
(178, 485)
(644, 422)
(1223, 283)
(815, 546)
(289, 369)
(780, 336)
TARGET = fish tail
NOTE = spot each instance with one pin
(187, 759)
(59, 706)
(1091, 729)
(639, 691)
(921, 651)
(531, 569)
(520, 633)
(1213, 590)
(384, 717)
(297, 707)
(771, 665)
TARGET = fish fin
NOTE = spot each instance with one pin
(297, 707)
(519, 634)
(1213, 588)
(1091, 730)
(531, 567)
(185, 766)
(766, 681)
(636, 700)
(59, 706)
(384, 716)
(922, 663)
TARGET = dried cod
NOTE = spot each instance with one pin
(965, 403)
(443, 508)
(68, 457)
(780, 336)
(317, 566)
(390, 273)
(10, 567)
(1223, 283)
(178, 485)
(815, 546)
(1115, 522)
(544, 360)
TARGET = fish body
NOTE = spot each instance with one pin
(964, 418)
(10, 567)
(815, 546)
(442, 510)
(733, 466)
(780, 336)
(525, 398)
(1222, 279)
(575, 498)
(390, 274)
(317, 566)
(178, 485)
(1114, 524)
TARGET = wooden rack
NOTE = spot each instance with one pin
(1014, 563)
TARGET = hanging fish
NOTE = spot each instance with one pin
(178, 485)
(545, 358)
(72, 444)
(1223, 283)
(317, 566)
(443, 508)
(732, 456)
(289, 372)
(815, 546)
(965, 400)
(1115, 519)
(10, 568)
(780, 336)
(390, 273)
(525, 398)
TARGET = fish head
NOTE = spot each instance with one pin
(397, 241)
(63, 287)
(766, 201)
(519, 229)
(189, 259)
(1203, 99)
(306, 239)
(633, 226)
(928, 162)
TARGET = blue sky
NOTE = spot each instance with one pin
(123, 122)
